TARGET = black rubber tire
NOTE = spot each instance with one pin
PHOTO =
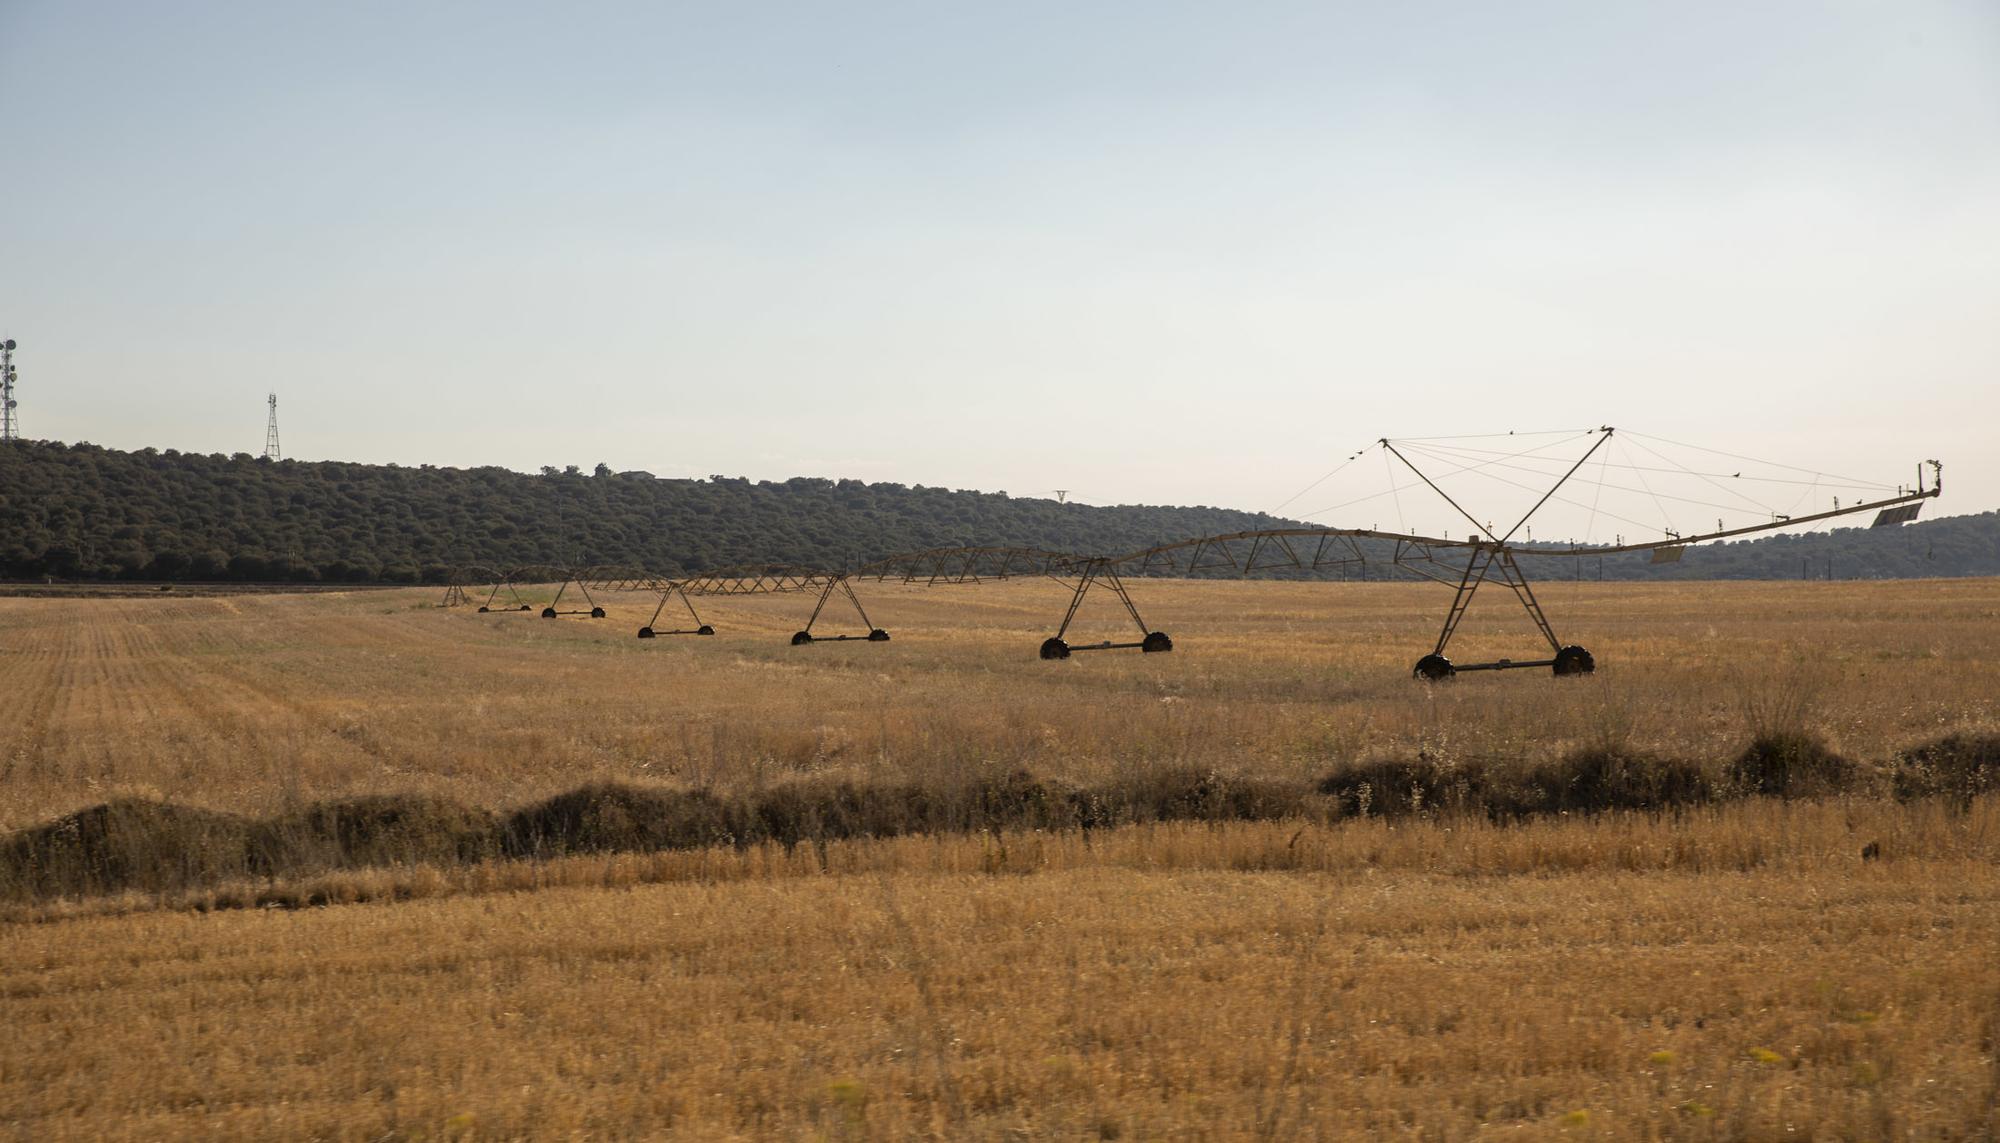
(1156, 642)
(1432, 668)
(548, 613)
(524, 607)
(801, 638)
(597, 613)
(647, 633)
(1574, 660)
(483, 609)
(704, 629)
(878, 636)
(1053, 648)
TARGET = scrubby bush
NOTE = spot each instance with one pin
(1791, 764)
(1607, 777)
(1957, 766)
(137, 844)
(1392, 787)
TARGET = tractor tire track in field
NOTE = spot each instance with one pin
(194, 696)
(38, 672)
(90, 704)
(258, 698)
(168, 671)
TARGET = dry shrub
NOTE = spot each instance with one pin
(374, 831)
(147, 846)
(1019, 798)
(156, 847)
(129, 843)
(1393, 787)
(1593, 779)
(1785, 699)
(1791, 764)
(152, 846)
(618, 818)
(1957, 766)
(1188, 793)
(832, 811)
(610, 817)
(1598, 778)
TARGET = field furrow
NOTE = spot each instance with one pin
(1263, 886)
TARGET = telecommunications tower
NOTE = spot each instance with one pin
(10, 421)
(271, 431)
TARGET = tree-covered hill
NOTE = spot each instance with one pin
(80, 511)
(1949, 546)
(90, 512)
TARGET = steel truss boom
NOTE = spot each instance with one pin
(1906, 498)
(1298, 551)
(967, 565)
(1283, 549)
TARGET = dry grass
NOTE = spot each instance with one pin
(1722, 971)
(264, 703)
(1742, 975)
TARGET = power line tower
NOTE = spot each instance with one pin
(10, 421)
(271, 431)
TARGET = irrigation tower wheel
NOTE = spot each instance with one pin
(1431, 668)
(1574, 660)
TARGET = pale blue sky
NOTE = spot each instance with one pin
(1164, 253)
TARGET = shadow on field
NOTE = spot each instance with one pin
(155, 847)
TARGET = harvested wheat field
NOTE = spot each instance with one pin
(256, 702)
(356, 866)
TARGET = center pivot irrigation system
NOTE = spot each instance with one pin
(510, 581)
(1464, 565)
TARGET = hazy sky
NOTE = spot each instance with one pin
(1147, 252)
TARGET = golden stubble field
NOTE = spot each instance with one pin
(248, 702)
(1728, 972)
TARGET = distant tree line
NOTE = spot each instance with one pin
(1950, 546)
(84, 512)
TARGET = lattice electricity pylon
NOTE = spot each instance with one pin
(839, 584)
(10, 422)
(1090, 573)
(673, 591)
(271, 450)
